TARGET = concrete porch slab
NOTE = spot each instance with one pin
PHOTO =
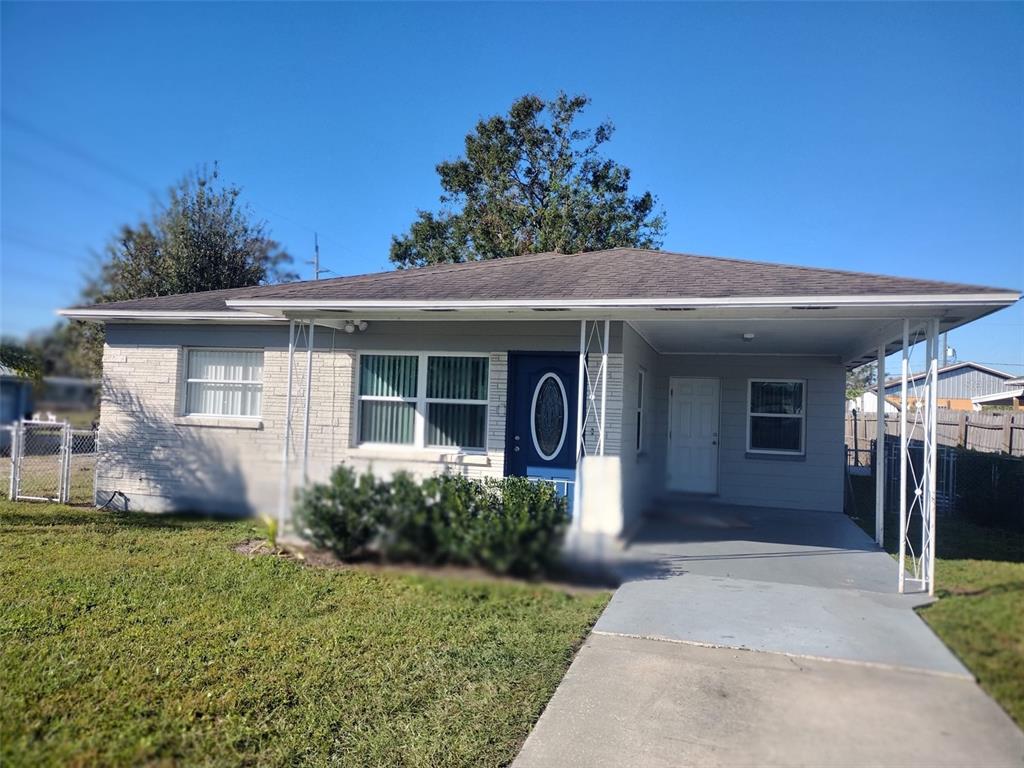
(839, 624)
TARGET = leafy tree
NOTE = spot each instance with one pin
(531, 181)
(202, 239)
(20, 359)
(860, 380)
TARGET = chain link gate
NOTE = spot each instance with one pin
(50, 461)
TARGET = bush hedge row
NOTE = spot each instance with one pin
(509, 525)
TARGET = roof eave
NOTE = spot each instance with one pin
(99, 315)
(281, 306)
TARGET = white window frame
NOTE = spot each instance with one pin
(802, 416)
(185, 381)
(421, 402)
(641, 398)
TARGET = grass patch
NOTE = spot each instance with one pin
(130, 639)
(979, 578)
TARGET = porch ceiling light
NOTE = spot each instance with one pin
(748, 337)
(355, 325)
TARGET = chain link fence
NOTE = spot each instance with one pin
(48, 461)
(984, 488)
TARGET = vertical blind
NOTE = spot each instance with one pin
(223, 382)
(453, 400)
(388, 375)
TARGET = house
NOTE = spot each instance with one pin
(68, 393)
(619, 376)
(1012, 396)
(958, 385)
(15, 401)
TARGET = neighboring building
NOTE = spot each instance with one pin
(867, 402)
(1010, 397)
(699, 375)
(958, 385)
(68, 393)
(15, 400)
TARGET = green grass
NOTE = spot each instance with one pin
(133, 639)
(979, 578)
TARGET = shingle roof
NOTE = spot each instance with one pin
(618, 273)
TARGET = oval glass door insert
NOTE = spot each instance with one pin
(549, 416)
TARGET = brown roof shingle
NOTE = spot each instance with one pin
(618, 273)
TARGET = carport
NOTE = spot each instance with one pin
(728, 346)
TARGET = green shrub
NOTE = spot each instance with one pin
(342, 515)
(407, 530)
(506, 526)
(522, 534)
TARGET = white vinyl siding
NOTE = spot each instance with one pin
(775, 416)
(423, 400)
(222, 382)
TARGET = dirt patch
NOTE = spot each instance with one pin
(320, 558)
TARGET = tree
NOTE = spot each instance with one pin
(20, 359)
(531, 181)
(860, 380)
(202, 239)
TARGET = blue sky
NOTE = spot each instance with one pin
(886, 138)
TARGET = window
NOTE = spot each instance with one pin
(387, 398)
(223, 382)
(641, 377)
(775, 416)
(423, 400)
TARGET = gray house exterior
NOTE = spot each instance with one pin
(620, 376)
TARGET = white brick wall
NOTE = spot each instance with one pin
(162, 461)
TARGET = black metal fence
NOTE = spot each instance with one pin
(985, 488)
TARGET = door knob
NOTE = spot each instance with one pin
(516, 449)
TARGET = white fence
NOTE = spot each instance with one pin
(48, 461)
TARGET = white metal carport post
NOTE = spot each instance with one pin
(585, 411)
(880, 448)
(925, 481)
(284, 502)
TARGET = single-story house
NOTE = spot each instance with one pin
(68, 393)
(1012, 396)
(15, 401)
(620, 376)
(958, 385)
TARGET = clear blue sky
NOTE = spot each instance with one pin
(876, 137)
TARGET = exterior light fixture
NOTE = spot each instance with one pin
(748, 337)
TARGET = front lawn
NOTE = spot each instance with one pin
(129, 639)
(980, 582)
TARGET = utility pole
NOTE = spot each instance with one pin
(315, 261)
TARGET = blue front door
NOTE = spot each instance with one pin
(541, 433)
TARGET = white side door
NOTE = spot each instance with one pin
(693, 435)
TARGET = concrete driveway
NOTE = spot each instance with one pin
(745, 636)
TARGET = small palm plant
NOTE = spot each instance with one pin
(271, 524)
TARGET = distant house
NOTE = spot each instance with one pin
(958, 386)
(1010, 397)
(68, 393)
(15, 400)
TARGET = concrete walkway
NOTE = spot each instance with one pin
(748, 636)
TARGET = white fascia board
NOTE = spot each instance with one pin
(995, 396)
(97, 314)
(917, 300)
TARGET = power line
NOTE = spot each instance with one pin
(76, 151)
